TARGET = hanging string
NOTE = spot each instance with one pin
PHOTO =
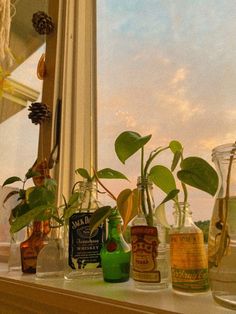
(6, 57)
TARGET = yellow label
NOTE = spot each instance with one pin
(188, 262)
(144, 242)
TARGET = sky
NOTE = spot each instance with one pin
(166, 68)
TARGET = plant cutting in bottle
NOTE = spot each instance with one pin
(195, 172)
(35, 202)
(126, 145)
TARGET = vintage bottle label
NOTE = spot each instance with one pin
(84, 249)
(144, 240)
(29, 259)
(188, 262)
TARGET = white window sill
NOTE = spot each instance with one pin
(28, 294)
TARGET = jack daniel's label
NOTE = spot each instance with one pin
(144, 240)
(84, 249)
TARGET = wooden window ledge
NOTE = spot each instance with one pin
(28, 294)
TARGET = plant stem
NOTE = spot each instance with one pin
(103, 186)
(150, 159)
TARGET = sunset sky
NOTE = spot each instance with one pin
(167, 68)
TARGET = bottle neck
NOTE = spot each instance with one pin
(88, 196)
(146, 200)
(41, 227)
(182, 215)
(114, 227)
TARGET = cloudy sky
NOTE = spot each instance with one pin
(167, 68)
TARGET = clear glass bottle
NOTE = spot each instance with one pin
(189, 269)
(82, 251)
(115, 253)
(222, 233)
(150, 269)
(31, 247)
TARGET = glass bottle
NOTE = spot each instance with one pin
(82, 251)
(222, 233)
(31, 247)
(115, 253)
(150, 269)
(189, 269)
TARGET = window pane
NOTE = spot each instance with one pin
(166, 68)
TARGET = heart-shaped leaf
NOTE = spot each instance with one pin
(127, 204)
(128, 143)
(171, 195)
(108, 173)
(198, 173)
(25, 219)
(98, 217)
(84, 173)
(11, 180)
(175, 146)
(162, 177)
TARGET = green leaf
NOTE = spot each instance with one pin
(11, 180)
(50, 184)
(20, 209)
(127, 204)
(98, 217)
(74, 199)
(41, 196)
(84, 173)
(25, 219)
(198, 173)
(176, 159)
(128, 143)
(160, 214)
(171, 195)
(175, 146)
(31, 173)
(9, 195)
(108, 173)
(69, 211)
(162, 177)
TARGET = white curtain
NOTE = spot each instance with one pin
(77, 89)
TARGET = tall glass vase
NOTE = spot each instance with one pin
(222, 233)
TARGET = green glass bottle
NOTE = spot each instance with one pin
(115, 253)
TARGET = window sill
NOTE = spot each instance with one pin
(28, 294)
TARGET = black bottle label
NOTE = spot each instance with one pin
(84, 250)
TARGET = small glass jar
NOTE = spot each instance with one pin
(222, 233)
(115, 253)
(189, 269)
(150, 269)
(82, 250)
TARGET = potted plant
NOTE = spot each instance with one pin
(37, 206)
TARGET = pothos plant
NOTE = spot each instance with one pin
(127, 202)
(194, 171)
(34, 202)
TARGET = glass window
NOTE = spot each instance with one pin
(166, 68)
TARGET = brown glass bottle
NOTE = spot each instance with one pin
(31, 247)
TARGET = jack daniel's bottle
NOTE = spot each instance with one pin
(82, 250)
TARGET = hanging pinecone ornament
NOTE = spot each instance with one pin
(39, 112)
(42, 23)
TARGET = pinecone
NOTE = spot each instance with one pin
(42, 23)
(39, 112)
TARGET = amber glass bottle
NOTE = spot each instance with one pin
(31, 247)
